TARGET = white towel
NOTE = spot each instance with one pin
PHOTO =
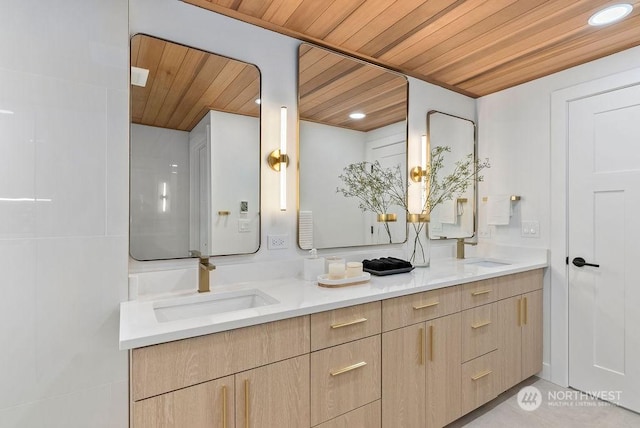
(448, 212)
(305, 230)
(499, 210)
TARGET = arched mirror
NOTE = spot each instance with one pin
(352, 125)
(195, 152)
(455, 218)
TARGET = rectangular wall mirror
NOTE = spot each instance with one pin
(332, 88)
(195, 152)
(455, 218)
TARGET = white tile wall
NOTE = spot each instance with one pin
(63, 261)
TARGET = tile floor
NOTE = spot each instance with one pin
(584, 412)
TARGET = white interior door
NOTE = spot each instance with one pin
(604, 229)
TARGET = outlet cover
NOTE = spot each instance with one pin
(277, 242)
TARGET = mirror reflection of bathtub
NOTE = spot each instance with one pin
(331, 87)
(195, 152)
(455, 218)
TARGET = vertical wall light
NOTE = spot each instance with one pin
(279, 160)
(419, 174)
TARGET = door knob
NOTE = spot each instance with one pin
(579, 261)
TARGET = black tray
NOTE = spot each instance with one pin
(389, 272)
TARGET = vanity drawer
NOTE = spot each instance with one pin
(415, 308)
(173, 365)
(343, 325)
(479, 331)
(368, 416)
(344, 378)
(478, 293)
(479, 380)
(519, 283)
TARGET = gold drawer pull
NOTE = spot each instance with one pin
(474, 326)
(431, 343)
(224, 212)
(348, 323)
(428, 305)
(478, 293)
(481, 375)
(519, 312)
(421, 340)
(525, 310)
(224, 407)
(246, 403)
(349, 368)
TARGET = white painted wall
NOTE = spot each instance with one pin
(514, 132)
(63, 252)
(159, 156)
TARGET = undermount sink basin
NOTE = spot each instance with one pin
(487, 263)
(202, 305)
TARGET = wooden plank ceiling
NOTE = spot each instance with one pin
(475, 47)
(185, 83)
(332, 86)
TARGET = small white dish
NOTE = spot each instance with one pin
(324, 281)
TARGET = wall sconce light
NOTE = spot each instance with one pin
(279, 160)
(419, 174)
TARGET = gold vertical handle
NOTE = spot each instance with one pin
(431, 343)
(526, 304)
(421, 341)
(224, 406)
(519, 312)
(246, 403)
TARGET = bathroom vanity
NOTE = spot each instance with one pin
(416, 349)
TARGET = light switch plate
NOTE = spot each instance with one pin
(244, 226)
(530, 229)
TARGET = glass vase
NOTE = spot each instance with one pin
(419, 244)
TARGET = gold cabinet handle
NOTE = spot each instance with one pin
(428, 305)
(519, 312)
(348, 323)
(431, 343)
(474, 326)
(481, 375)
(525, 311)
(421, 341)
(478, 293)
(224, 406)
(348, 368)
(246, 403)
(224, 212)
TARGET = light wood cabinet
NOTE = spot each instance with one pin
(275, 395)
(520, 338)
(209, 404)
(344, 378)
(363, 417)
(416, 361)
(479, 379)
(421, 366)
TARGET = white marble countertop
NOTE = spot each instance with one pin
(139, 326)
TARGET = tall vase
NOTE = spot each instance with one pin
(419, 244)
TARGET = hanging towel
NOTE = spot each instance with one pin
(305, 229)
(499, 210)
(448, 212)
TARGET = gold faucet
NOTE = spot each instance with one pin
(460, 247)
(204, 267)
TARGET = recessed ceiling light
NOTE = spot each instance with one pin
(139, 76)
(357, 115)
(610, 14)
(258, 101)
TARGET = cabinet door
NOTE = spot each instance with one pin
(443, 362)
(208, 404)
(509, 342)
(403, 377)
(274, 396)
(532, 334)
